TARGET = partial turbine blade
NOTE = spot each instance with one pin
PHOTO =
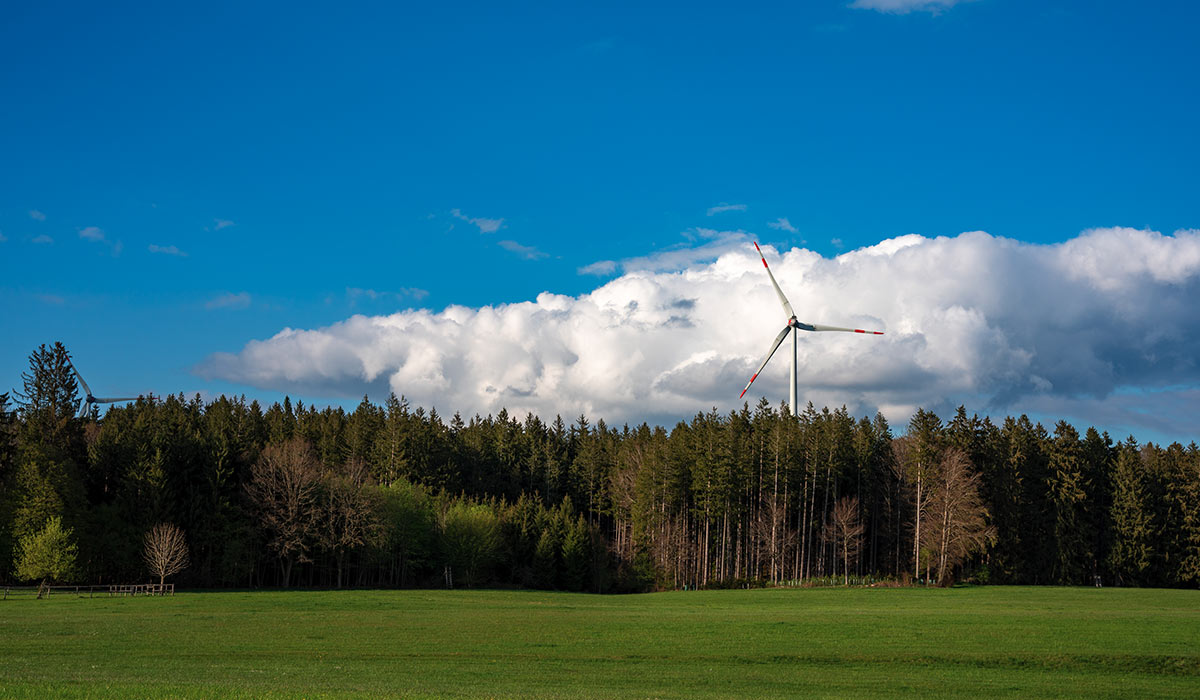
(819, 327)
(84, 406)
(96, 400)
(86, 390)
(782, 299)
(778, 339)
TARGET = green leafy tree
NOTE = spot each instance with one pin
(408, 525)
(48, 554)
(470, 540)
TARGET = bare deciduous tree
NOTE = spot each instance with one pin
(349, 520)
(284, 487)
(772, 535)
(165, 551)
(958, 518)
(845, 530)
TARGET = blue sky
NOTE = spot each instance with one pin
(179, 182)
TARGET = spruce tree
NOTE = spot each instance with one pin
(576, 555)
(1132, 524)
(50, 401)
(1068, 486)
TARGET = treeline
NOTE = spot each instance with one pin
(392, 495)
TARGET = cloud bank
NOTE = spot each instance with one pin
(1094, 325)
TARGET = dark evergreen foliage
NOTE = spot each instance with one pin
(401, 498)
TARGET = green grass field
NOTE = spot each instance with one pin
(995, 641)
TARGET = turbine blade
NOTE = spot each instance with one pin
(778, 339)
(98, 400)
(782, 299)
(83, 408)
(819, 327)
(86, 389)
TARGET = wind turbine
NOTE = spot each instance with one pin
(792, 325)
(89, 400)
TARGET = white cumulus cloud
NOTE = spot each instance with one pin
(1088, 325)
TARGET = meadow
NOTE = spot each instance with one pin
(973, 641)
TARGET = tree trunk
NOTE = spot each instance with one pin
(917, 535)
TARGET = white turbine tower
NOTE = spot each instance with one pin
(792, 325)
(86, 405)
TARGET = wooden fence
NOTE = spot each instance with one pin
(123, 589)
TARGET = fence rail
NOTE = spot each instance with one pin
(122, 589)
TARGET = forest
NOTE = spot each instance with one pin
(394, 495)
